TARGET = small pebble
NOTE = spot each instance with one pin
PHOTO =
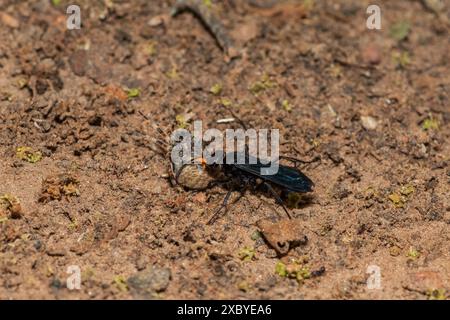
(9, 21)
(369, 123)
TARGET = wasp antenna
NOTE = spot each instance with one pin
(235, 116)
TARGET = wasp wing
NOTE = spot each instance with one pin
(288, 177)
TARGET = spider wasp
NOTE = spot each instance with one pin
(198, 175)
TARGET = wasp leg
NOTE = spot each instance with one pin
(215, 216)
(277, 197)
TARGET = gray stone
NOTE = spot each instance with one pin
(146, 284)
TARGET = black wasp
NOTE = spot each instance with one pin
(245, 176)
(197, 175)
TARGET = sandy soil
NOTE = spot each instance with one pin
(82, 186)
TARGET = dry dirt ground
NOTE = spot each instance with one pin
(82, 186)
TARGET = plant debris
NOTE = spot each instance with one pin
(10, 206)
(204, 12)
(58, 186)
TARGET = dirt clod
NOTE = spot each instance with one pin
(58, 186)
(283, 235)
(147, 284)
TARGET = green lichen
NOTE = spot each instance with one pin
(262, 85)
(73, 224)
(295, 270)
(315, 142)
(133, 93)
(397, 200)
(280, 269)
(308, 4)
(401, 59)
(173, 73)
(22, 83)
(286, 105)
(120, 283)
(225, 102)
(243, 286)
(303, 273)
(400, 30)
(151, 48)
(87, 274)
(407, 190)
(256, 235)
(216, 89)
(7, 201)
(413, 253)
(430, 123)
(335, 71)
(436, 294)
(181, 121)
(207, 3)
(400, 197)
(28, 154)
(247, 254)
